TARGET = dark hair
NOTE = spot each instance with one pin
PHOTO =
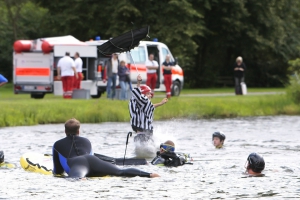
(67, 53)
(77, 54)
(72, 126)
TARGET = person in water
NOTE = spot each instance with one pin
(1, 157)
(73, 155)
(141, 110)
(255, 164)
(218, 139)
(167, 156)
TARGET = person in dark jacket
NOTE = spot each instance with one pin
(123, 72)
(239, 75)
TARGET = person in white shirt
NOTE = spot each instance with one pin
(152, 66)
(111, 72)
(78, 66)
(65, 71)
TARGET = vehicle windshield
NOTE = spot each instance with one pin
(138, 54)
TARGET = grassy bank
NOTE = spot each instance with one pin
(26, 111)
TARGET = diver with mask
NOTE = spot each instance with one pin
(166, 156)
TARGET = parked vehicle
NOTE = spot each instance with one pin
(34, 65)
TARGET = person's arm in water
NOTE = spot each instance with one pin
(57, 168)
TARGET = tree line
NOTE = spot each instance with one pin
(205, 35)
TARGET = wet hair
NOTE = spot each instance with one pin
(67, 53)
(256, 162)
(219, 135)
(72, 126)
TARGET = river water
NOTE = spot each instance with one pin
(215, 174)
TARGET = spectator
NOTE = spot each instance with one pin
(66, 71)
(78, 66)
(112, 71)
(123, 72)
(152, 66)
(167, 66)
(3, 80)
(239, 73)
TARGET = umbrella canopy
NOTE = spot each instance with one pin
(124, 42)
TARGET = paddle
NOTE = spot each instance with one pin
(128, 135)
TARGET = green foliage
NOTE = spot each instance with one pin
(293, 89)
(19, 19)
(19, 110)
(206, 35)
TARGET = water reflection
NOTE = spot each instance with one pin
(215, 173)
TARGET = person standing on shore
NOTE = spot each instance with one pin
(167, 66)
(123, 72)
(112, 71)
(151, 66)
(66, 71)
(78, 66)
(239, 74)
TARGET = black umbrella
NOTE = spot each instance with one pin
(124, 42)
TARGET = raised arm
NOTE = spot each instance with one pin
(165, 100)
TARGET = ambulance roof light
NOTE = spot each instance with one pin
(97, 38)
(155, 40)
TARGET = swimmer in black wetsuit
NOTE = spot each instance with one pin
(74, 155)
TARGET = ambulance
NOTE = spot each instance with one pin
(34, 65)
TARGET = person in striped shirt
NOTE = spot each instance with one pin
(141, 110)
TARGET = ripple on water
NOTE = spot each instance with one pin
(215, 174)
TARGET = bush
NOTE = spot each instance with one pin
(293, 90)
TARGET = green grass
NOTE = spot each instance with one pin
(19, 109)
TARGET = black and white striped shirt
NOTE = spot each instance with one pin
(141, 110)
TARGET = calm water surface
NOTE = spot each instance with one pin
(216, 174)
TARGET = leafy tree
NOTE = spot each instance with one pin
(19, 19)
